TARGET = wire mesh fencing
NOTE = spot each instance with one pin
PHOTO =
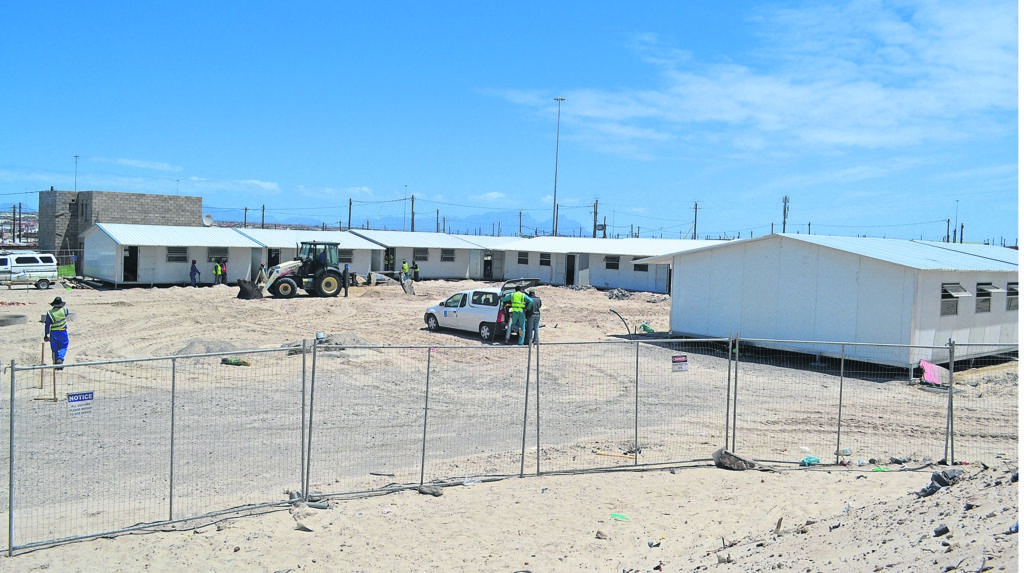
(104, 447)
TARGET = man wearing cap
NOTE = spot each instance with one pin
(56, 332)
(533, 318)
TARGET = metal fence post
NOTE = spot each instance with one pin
(309, 436)
(302, 427)
(839, 420)
(949, 406)
(10, 471)
(526, 411)
(636, 404)
(170, 487)
(426, 405)
(728, 391)
(735, 392)
(537, 400)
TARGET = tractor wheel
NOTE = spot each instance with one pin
(329, 284)
(285, 288)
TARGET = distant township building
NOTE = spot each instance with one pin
(65, 215)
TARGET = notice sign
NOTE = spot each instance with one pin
(79, 403)
(679, 363)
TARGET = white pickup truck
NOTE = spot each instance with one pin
(24, 267)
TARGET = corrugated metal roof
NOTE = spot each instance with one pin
(414, 240)
(172, 236)
(288, 238)
(636, 247)
(488, 242)
(923, 255)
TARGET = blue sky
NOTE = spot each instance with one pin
(874, 118)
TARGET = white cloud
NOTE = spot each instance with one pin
(860, 75)
(139, 164)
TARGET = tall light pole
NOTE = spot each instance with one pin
(554, 207)
(76, 174)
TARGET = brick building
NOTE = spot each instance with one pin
(64, 215)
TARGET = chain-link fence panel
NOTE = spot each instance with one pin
(97, 458)
(682, 405)
(785, 405)
(237, 429)
(587, 405)
(985, 403)
(366, 416)
(475, 412)
(822, 407)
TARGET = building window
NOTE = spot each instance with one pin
(524, 257)
(345, 255)
(951, 293)
(984, 300)
(447, 255)
(177, 254)
(1011, 296)
(215, 254)
(545, 259)
(421, 255)
(611, 263)
(639, 268)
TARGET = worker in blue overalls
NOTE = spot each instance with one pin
(56, 332)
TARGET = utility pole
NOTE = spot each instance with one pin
(437, 221)
(595, 218)
(554, 199)
(520, 223)
(349, 212)
(694, 220)
(785, 212)
(604, 231)
(76, 174)
(412, 213)
(20, 223)
(263, 217)
(245, 217)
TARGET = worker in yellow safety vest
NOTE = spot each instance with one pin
(405, 271)
(56, 329)
(518, 303)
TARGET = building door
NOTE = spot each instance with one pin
(570, 270)
(389, 259)
(273, 257)
(488, 268)
(131, 265)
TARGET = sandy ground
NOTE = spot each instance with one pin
(682, 519)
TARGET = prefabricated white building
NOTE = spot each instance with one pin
(438, 255)
(487, 261)
(123, 254)
(280, 245)
(602, 263)
(850, 289)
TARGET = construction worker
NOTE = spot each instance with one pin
(216, 272)
(193, 273)
(56, 329)
(533, 318)
(518, 303)
(405, 271)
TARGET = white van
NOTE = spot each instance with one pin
(23, 267)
